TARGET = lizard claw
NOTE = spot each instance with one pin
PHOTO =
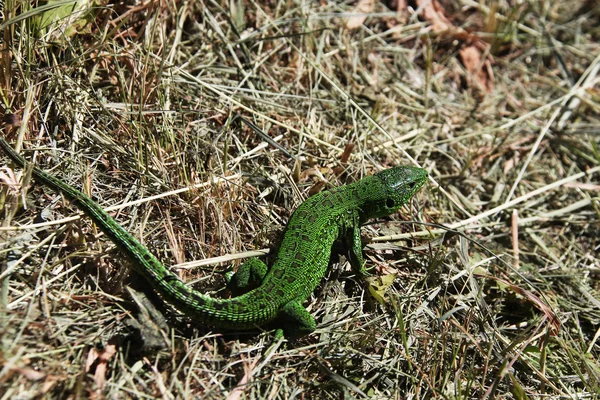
(363, 272)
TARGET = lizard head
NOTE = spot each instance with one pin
(388, 190)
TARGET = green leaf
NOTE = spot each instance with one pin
(379, 285)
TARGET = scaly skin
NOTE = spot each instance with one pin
(299, 266)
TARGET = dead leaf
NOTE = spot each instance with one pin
(433, 12)
(91, 358)
(509, 165)
(479, 69)
(363, 8)
(473, 48)
(347, 152)
(100, 360)
(30, 374)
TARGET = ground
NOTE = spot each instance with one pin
(200, 126)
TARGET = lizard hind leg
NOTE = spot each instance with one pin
(297, 321)
(250, 274)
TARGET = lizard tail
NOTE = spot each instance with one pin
(243, 312)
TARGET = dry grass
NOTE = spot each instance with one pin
(496, 269)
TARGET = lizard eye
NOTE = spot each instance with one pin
(389, 203)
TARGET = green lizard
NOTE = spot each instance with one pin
(299, 265)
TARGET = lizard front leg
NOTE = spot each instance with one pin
(297, 321)
(354, 245)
